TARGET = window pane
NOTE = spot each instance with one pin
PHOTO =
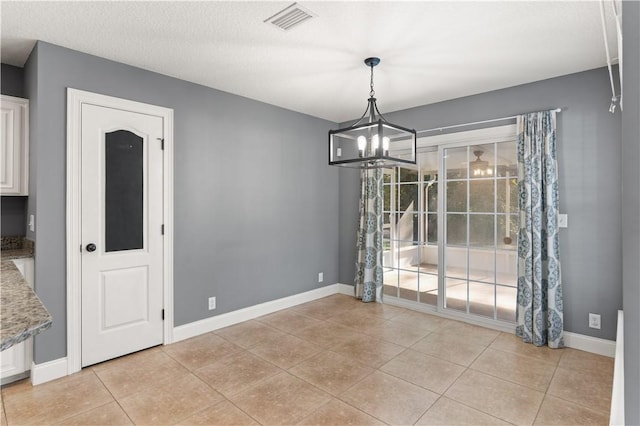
(432, 197)
(482, 265)
(408, 175)
(386, 193)
(507, 267)
(429, 289)
(507, 232)
(481, 196)
(482, 161)
(456, 162)
(456, 262)
(456, 291)
(432, 228)
(390, 282)
(387, 174)
(408, 197)
(124, 192)
(507, 159)
(408, 283)
(456, 197)
(429, 165)
(408, 256)
(481, 230)
(507, 195)
(407, 227)
(506, 303)
(457, 229)
(481, 299)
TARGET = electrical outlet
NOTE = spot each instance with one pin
(563, 220)
(594, 320)
(320, 277)
(212, 303)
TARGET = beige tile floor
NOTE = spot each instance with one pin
(334, 361)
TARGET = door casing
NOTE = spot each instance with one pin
(75, 99)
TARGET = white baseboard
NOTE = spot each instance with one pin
(345, 289)
(47, 371)
(590, 344)
(230, 318)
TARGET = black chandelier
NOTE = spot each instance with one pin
(372, 142)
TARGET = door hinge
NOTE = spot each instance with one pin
(162, 229)
(161, 143)
(163, 314)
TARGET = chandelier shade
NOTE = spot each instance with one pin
(372, 142)
(479, 167)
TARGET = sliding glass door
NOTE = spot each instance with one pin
(451, 225)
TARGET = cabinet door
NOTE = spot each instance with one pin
(17, 359)
(14, 146)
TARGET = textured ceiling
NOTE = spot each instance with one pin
(431, 51)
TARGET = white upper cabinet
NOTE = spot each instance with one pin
(14, 152)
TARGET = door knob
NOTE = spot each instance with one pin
(91, 247)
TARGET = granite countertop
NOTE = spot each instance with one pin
(22, 314)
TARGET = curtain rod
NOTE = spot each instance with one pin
(476, 122)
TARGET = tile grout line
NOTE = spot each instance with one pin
(114, 397)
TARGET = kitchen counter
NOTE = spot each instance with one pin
(22, 314)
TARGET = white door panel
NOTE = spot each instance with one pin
(122, 275)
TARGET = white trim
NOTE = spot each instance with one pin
(503, 326)
(475, 137)
(617, 394)
(47, 371)
(230, 318)
(347, 289)
(590, 344)
(571, 340)
(75, 99)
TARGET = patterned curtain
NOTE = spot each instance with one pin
(368, 278)
(539, 309)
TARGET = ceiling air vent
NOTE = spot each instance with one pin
(290, 17)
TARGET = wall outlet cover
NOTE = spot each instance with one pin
(320, 277)
(212, 303)
(594, 321)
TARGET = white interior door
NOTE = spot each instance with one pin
(121, 232)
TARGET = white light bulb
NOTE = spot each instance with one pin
(375, 142)
(362, 143)
(490, 171)
(385, 144)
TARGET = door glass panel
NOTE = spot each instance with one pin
(480, 235)
(124, 191)
(456, 291)
(457, 229)
(504, 303)
(507, 231)
(481, 299)
(390, 282)
(481, 196)
(481, 230)
(482, 161)
(481, 265)
(456, 196)
(506, 159)
(456, 161)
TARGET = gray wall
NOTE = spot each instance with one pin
(256, 205)
(13, 210)
(631, 209)
(12, 80)
(589, 176)
(14, 214)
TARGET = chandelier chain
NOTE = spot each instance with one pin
(372, 93)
